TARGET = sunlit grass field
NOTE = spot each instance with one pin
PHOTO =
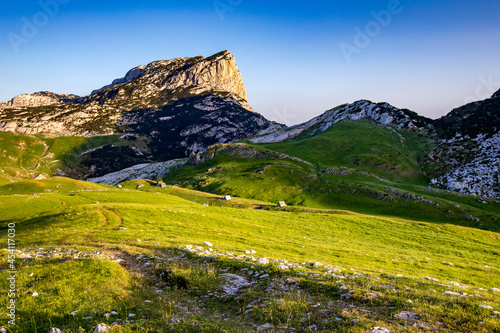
(110, 246)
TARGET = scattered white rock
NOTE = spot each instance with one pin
(283, 267)
(74, 313)
(380, 330)
(489, 307)
(406, 315)
(101, 328)
(264, 276)
(263, 261)
(234, 283)
(130, 315)
(478, 176)
(35, 294)
(114, 313)
(265, 328)
(3, 330)
(451, 293)
(495, 290)
(431, 279)
(456, 284)
(250, 252)
(208, 244)
(317, 265)
(52, 330)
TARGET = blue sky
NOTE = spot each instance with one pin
(297, 58)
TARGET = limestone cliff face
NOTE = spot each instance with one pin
(145, 87)
(43, 98)
(169, 80)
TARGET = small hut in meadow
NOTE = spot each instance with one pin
(281, 204)
(227, 198)
(161, 184)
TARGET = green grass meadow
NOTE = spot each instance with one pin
(78, 230)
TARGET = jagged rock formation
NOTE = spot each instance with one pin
(381, 113)
(478, 174)
(467, 155)
(145, 87)
(132, 74)
(43, 98)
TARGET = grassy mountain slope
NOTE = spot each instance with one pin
(124, 246)
(325, 176)
(391, 154)
(25, 157)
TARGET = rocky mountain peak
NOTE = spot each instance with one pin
(381, 113)
(177, 78)
(132, 74)
(143, 88)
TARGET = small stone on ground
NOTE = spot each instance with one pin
(406, 315)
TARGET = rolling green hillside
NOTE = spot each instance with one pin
(143, 254)
(384, 151)
(26, 157)
(252, 171)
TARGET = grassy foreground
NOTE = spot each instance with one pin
(138, 261)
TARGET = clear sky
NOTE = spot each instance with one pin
(298, 58)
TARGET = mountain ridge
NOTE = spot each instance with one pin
(168, 109)
(381, 113)
(41, 98)
(145, 87)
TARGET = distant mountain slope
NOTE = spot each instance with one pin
(381, 113)
(471, 120)
(465, 157)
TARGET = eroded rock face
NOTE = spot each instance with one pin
(143, 88)
(43, 98)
